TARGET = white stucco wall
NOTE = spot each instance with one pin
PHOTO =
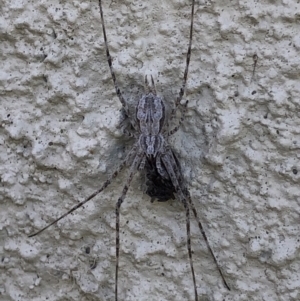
(239, 150)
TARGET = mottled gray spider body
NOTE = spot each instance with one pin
(152, 153)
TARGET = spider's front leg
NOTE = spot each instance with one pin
(185, 76)
(109, 60)
(182, 117)
(127, 124)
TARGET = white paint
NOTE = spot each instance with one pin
(238, 146)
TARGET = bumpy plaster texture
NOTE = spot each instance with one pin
(239, 149)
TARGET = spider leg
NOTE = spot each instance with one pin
(129, 134)
(153, 86)
(161, 170)
(126, 122)
(146, 88)
(166, 159)
(106, 183)
(205, 237)
(175, 165)
(176, 128)
(179, 178)
(109, 60)
(143, 163)
(188, 57)
(135, 165)
(149, 89)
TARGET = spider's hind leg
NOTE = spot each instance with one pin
(175, 176)
(191, 204)
(134, 166)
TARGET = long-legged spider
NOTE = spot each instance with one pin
(151, 152)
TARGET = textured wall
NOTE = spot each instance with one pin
(239, 149)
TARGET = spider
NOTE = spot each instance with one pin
(152, 153)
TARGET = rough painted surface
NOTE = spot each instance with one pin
(239, 149)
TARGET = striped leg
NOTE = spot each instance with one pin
(178, 175)
(188, 57)
(149, 89)
(106, 183)
(135, 165)
(122, 100)
(169, 167)
(176, 128)
(205, 237)
(188, 235)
